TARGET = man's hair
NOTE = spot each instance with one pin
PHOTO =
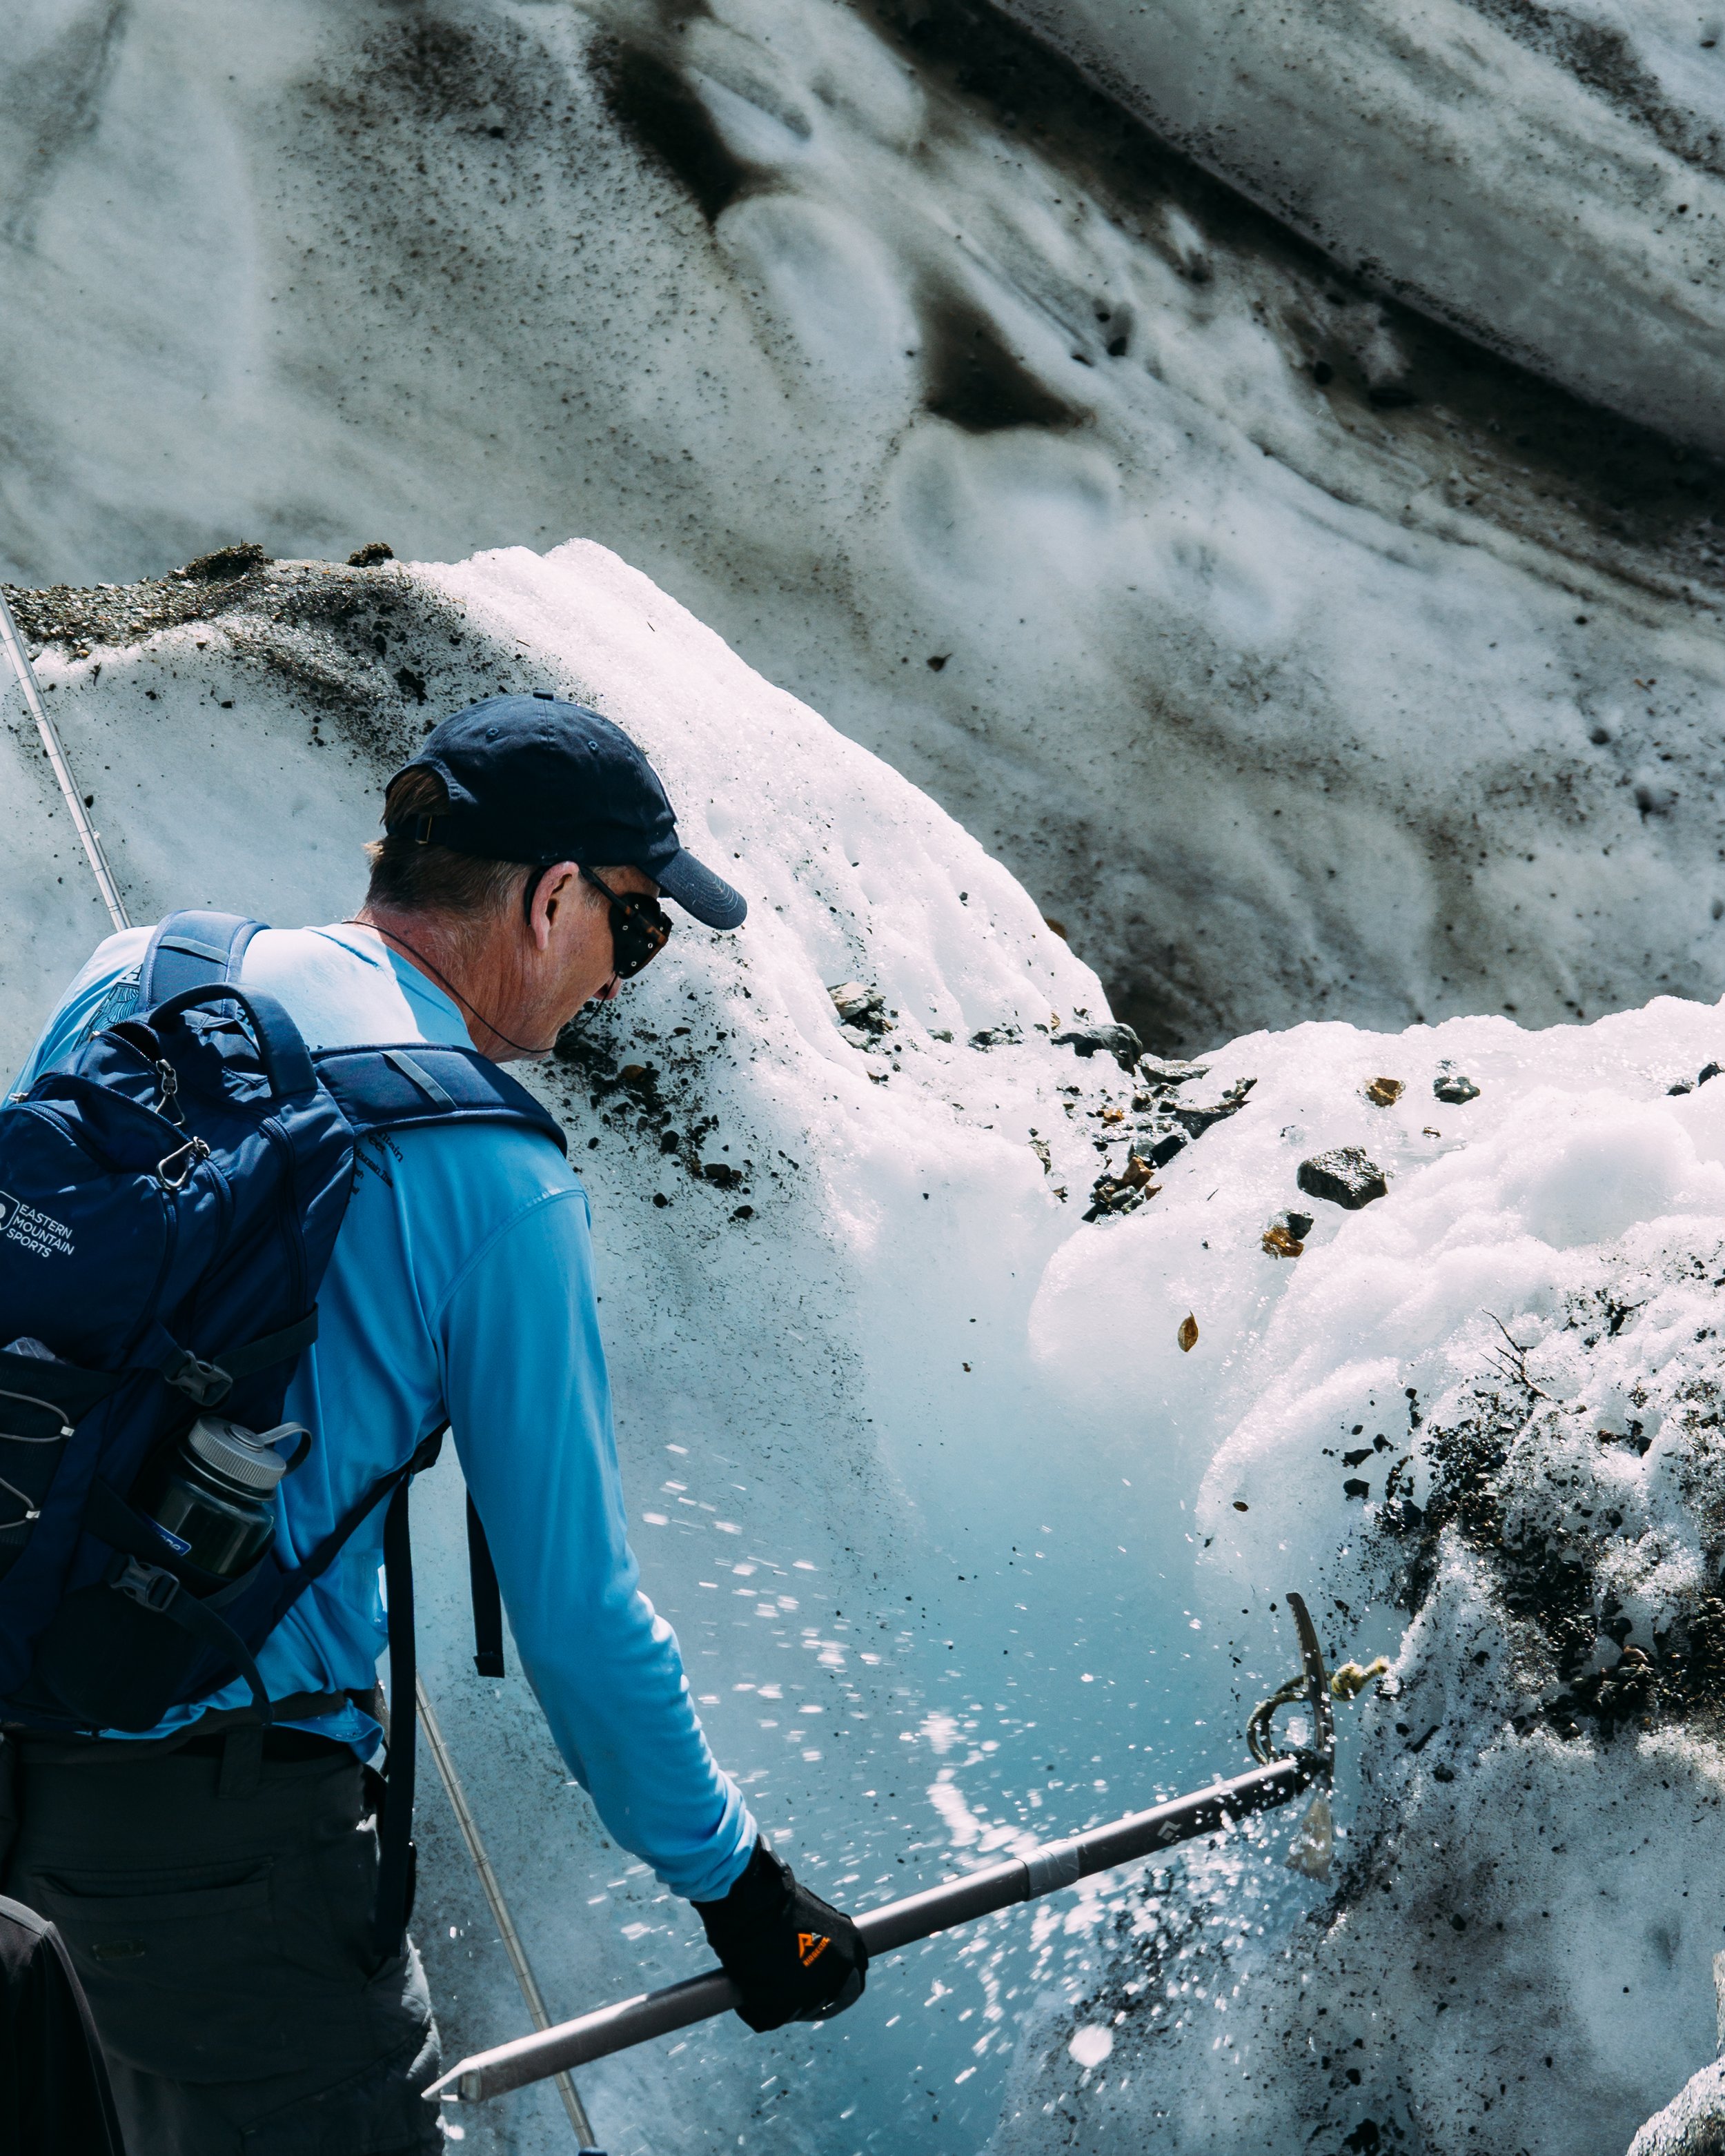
(412, 878)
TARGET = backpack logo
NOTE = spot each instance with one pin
(810, 1946)
(39, 1232)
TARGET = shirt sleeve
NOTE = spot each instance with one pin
(530, 1406)
(105, 992)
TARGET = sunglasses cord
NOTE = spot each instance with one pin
(420, 958)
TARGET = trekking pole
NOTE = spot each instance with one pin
(499, 1908)
(86, 830)
(1045, 1871)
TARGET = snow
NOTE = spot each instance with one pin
(1521, 1342)
(1091, 2044)
(1287, 698)
(947, 1516)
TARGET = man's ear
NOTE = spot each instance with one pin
(559, 889)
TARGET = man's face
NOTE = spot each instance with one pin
(575, 948)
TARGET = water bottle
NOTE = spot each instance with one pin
(214, 1503)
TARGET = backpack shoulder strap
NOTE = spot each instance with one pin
(377, 1087)
(421, 1082)
(190, 949)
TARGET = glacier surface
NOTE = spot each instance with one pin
(1262, 479)
(1298, 656)
(888, 1405)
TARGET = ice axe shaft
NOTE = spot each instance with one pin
(1045, 1871)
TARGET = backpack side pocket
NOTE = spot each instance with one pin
(120, 1654)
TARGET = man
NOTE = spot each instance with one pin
(217, 1906)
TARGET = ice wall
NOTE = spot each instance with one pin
(1298, 658)
(1548, 178)
(949, 1520)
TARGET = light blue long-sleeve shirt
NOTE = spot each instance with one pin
(461, 1287)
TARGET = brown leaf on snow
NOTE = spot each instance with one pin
(1187, 1334)
(1280, 1244)
(1384, 1092)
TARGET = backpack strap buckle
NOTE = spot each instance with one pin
(149, 1585)
(204, 1383)
(209, 1383)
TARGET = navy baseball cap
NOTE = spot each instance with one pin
(534, 779)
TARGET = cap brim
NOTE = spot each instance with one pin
(699, 891)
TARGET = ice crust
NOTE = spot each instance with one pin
(1042, 466)
(945, 1513)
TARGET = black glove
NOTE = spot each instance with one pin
(793, 1957)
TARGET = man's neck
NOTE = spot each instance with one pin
(461, 962)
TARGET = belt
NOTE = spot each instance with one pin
(276, 1744)
(207, 1734)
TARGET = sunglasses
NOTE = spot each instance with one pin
(640, 927)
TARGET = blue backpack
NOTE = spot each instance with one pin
(170, 1193)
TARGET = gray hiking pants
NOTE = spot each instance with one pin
(217, 1906)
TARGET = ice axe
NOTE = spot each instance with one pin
(1280, 1777)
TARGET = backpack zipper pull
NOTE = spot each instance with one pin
(168, 1099)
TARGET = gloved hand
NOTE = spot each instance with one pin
(793, 1957)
